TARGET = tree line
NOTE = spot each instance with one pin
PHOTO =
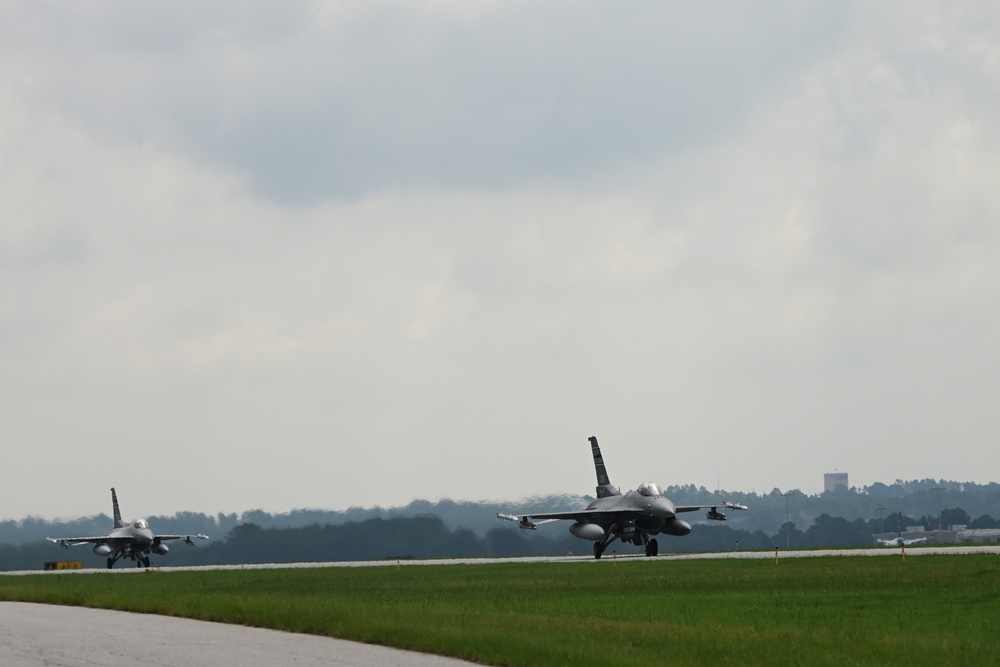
(929, 502)
(427, 536)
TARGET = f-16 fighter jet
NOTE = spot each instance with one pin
(635, 516)
(134, 540)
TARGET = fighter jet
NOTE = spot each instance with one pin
(900, 541)
(635, 516)
(133, 540)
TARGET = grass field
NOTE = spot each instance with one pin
(937, 610)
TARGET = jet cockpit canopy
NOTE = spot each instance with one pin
(141, 524)
(649, 489)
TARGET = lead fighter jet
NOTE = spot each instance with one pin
(133, 541)
(635, 516)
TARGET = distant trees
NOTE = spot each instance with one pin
(828, 531)
(984, 521)
(444, 529)
(930, 500)
(955, 517)
(429, 536)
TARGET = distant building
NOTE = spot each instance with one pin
(831, 480)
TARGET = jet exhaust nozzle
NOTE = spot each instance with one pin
(587, 531)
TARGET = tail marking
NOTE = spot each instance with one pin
(118, 513)
(604, 486)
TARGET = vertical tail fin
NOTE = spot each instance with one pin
(118, 513)
(604, 486)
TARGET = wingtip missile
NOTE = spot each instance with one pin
(521, 521)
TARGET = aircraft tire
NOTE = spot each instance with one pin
(652, 548)
(111, 563)
(598, 550)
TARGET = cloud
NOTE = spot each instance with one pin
(312, 108)
(431, 249)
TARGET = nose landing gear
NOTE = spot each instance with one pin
(652, 548)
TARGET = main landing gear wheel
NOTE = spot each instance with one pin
(111, 563)
(652, 548)
(598, 549)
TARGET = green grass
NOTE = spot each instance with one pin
(809, 611)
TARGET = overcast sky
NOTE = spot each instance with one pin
(319, 254)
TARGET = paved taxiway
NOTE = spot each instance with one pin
(35, 635)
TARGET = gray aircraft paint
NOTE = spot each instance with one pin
(134, 541)
(635, 516)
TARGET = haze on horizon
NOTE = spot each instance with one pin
(293, 255)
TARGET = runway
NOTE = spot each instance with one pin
(36, 635)
(609, 556)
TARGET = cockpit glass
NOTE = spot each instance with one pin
(650, 489)
(141, 524)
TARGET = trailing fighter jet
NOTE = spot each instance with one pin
(133, 540)
(631, 517)
(900, 541)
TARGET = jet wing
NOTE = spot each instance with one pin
(67, 541)
(713, 512)
(186, 538)
(695, 508)
(522, 521)
(590, 516)
(585, 515)
(726, 505)
(74, 541)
